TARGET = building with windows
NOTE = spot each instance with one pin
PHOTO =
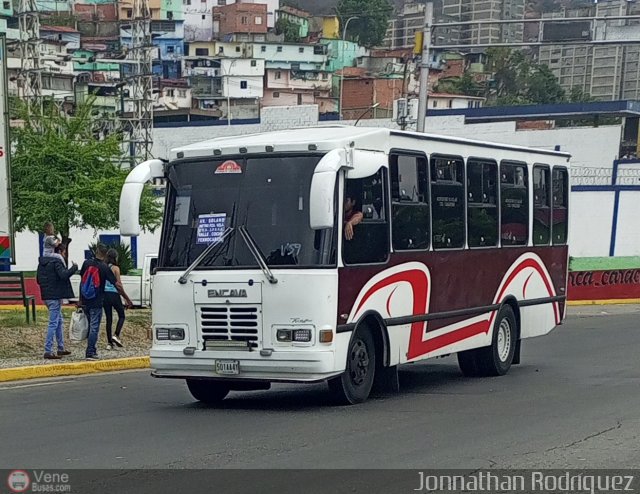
(198, 16)
(226, 87)
(240, 22)
(298, 17)
(296, 74)
(485, 10)
(606, 72)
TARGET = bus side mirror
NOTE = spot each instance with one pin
(322, 200)
(132, 192)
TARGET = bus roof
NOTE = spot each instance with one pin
(330, 137)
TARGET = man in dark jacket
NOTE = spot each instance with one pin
(53, 278)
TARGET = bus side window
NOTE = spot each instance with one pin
(560, 205)
(514, 203)
(541, 205)
(370, 242)
(410, 203)
(482, 205)
(447, 202)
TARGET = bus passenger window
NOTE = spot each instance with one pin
(514, 203)
(365, 240)
(447, 201)
(541, 205)
(482, 206)
(410, 206)
(560, 205)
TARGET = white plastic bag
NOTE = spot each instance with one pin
(79, 327)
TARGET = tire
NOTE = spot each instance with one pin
(468, 363)
(354, 385)
(208, 392)
(496, 359)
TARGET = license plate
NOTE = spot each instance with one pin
(228, 367)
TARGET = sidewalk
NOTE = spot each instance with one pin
(602, 310)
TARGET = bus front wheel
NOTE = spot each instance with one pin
(496, 359)
(209, 392)
(354, 385)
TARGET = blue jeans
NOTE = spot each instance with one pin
(55, 327)
(94, 315)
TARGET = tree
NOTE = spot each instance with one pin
(519, 81)
(290, 30)
(543, 87)
(62, 172)
(466, 85)
(371, 25)
(579, 95)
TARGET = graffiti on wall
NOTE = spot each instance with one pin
(604, 285)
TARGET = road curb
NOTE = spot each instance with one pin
(73, 368)
(624, 301)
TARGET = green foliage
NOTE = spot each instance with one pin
(125, 259)
(373, 18)
(466, 85)
(65, 171)
(290, 30)
(519, 81)
(578, 95)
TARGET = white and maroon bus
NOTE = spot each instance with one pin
(461, 248)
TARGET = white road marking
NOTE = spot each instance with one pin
(33, 385)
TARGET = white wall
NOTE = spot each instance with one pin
(628, 229)
(590, 226)
(27, 247)
(233, 87)
(589, 146)
(591, 212)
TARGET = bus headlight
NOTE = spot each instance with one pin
(294, 335)
(170, 334)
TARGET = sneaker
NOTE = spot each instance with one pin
(117, 341)
(51, 356)
(63, 353)
(92, 357)
(109, 346)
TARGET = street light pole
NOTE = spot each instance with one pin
(372, 107)
(424, 67)
(344, 41)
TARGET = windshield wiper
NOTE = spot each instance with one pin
(257, 254)
(183, 279)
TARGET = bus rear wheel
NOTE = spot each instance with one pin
(496, 359)
(354, 385)
(208, 392)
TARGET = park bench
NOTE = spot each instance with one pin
(12, 289)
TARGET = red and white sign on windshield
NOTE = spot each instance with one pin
(229, 166)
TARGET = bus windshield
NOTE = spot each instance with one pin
(266, 195)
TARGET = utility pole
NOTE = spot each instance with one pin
(30, 76)
(139, 125)
(424, 67)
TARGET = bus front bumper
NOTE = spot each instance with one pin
(282, 366)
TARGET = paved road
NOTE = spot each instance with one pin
(574, 402)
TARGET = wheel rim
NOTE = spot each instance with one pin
(504, 340)
(359, 362)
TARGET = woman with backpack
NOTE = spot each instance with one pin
(113, 301)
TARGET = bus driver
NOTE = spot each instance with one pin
(352, 214)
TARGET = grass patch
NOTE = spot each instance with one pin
(21, 339)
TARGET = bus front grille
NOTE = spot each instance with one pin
(230, 324)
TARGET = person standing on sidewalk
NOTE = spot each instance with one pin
(113, 301)
(53, 278)
(94, 276)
